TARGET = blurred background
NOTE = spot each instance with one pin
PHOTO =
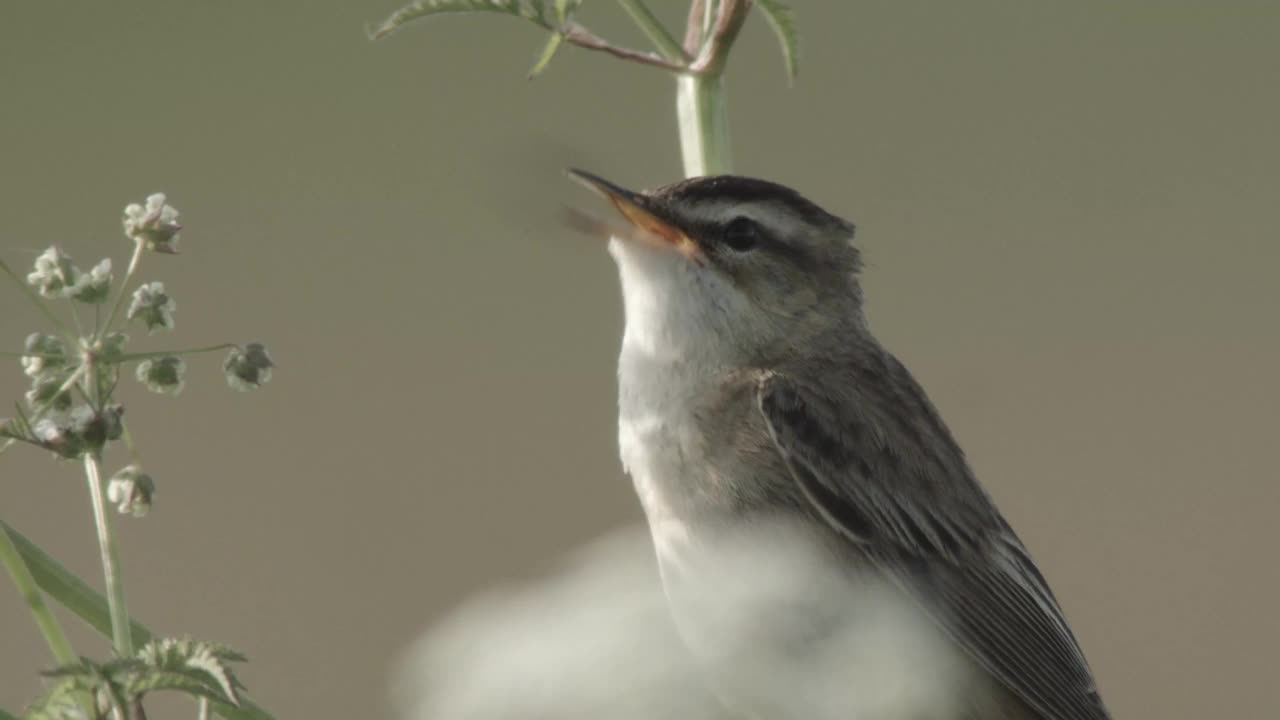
(1068, 211)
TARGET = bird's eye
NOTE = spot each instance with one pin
(742, 234)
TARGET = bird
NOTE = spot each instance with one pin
(751, 395)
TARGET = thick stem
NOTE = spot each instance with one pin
(703, 115)
(701, 106)
(48, 623)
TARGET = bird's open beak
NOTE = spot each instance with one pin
(635, 208)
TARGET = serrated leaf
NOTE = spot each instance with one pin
(534, 11)
(191, 666)
(783, 20)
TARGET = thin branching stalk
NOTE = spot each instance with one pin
(131, 357)
(654, 29)
(576, 34)
(138, 246)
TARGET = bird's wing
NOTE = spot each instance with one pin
(973, 577)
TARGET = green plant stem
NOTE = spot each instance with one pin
(702, 112)
(701, 107)
(121, 637)
(130, 357)
(44, 617)
(6, 715)
(653, 28)
(138, 247)
(90, 606)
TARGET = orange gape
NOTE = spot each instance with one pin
(656, 230)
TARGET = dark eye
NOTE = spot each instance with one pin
(742, 234)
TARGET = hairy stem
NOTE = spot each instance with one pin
(48, 623)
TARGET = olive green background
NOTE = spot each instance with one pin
(1068, 210)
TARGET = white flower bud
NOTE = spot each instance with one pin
(131, 490)
(154, 224)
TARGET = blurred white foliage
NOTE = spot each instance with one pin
(776, 628)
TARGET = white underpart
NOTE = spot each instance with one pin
(663, 360)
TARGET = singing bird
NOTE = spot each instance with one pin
(753, 396)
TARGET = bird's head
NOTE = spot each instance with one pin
(732, 266)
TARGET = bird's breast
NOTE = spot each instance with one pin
(662, 445)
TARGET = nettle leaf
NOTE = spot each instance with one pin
(535, 11)
(783, 19)
(195, 667)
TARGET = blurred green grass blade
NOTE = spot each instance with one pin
(534, 11)
(4, 715)
(783, 19)
(90, 606)
(69, 590)
(554, 43)
(564, 11)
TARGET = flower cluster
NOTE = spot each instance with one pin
(154, 224)
(55, 276)
(73, 379)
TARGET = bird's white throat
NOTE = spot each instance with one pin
(669, 357)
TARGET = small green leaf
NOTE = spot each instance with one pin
(548, 51)
(783, 19)
(535, 11)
